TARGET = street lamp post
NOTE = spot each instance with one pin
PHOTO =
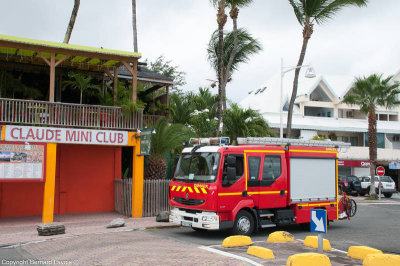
(309, 74)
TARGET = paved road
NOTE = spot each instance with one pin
(375, 225)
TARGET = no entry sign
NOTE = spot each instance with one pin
(380, 171)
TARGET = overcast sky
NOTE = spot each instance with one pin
(358, 41)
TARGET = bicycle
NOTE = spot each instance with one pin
(346, 205)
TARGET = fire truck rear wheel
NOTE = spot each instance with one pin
(244, 223)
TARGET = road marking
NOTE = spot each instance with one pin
(334, 249)
(378, 203)
(223, 253)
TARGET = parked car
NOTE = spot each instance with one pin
(350, 184)
(388, 187)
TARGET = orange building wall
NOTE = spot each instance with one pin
(84, 183)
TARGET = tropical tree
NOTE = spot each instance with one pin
(221, 21)
(245, 47)
(240, 122)
(82, 83)
(370, 92)
(165, 67)
(309, 12)
(180, 109)
(72, 21)
(205, 100)
(166, 138)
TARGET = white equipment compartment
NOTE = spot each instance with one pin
(312, 179)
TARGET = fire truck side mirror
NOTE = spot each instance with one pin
(231, 161)
(231, 173)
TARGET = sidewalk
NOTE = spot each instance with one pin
(23, 229)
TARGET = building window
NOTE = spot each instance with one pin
(380, 139)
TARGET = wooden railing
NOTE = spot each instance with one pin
(155, 197)
(40, 113)
(150, 120)
(123, 196)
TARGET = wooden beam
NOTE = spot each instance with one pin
(61, 60)
(52, 76)
(44, 58)
(167, 92)
(66, 51)
(115, 84)
(133, 71)
(111, 76)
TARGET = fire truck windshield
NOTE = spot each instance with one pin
(198, 167)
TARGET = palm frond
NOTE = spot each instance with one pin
(298, 11)
(247, 46)
(330, 8)
(238, 3)
(372, 91)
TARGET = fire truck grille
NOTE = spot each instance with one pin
(189, 202)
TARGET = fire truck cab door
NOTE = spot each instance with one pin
(253, 172)
(273, 181)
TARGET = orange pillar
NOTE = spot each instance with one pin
(137, 175)
(49, 185)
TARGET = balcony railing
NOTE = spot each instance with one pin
(40, 113)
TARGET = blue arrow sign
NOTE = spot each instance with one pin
(318, 221)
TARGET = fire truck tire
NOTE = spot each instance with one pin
(244, 223)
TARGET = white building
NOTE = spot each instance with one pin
(319, 111)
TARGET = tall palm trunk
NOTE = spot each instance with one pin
(372, 143)
(234, 15)
(307, 32)
(221, 19)
(72, 21)
(135, 45)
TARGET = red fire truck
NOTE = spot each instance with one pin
(261, 183)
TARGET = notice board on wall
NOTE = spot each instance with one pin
(21, 162)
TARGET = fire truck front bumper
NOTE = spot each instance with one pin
(196, 219)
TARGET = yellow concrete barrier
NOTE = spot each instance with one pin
(308, 259)
(236, 241)
(312, 241)
(360, 252)
(260, 252)
(280, 236)
(381, 260)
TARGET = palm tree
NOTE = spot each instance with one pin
(205, 100)
(221, 20)
(72, 21)
(134, 27)
(240, 122)
(80, 82)
(180, 109)
(370, 92)
(166, 138)
(245, 47)
(307, 13)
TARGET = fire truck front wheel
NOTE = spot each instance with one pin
(244, 223)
